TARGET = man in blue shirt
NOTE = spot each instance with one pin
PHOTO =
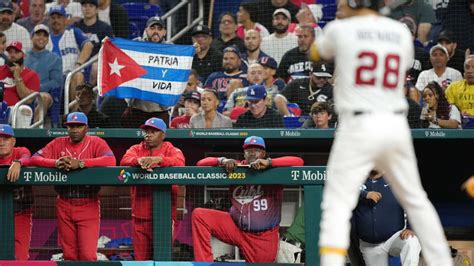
(380, 225)
(71, 44)
(47, 64)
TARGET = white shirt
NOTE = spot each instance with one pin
(19, 33)
(449, 76)
(454, 114)
(362, 47)
(277, 47)
(104, 15)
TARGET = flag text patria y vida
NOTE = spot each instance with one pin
(163, 61)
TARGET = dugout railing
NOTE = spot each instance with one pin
(443, 157)
(311, 178)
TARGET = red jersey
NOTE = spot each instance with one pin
(142, 195)
(30, 79)
(22, 196)
(92, 150)
(180, 122)
(256, 208)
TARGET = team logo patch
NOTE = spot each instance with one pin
(124, 176)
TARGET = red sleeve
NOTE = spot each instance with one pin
(208, 161)
(23, 154)
(104, 155)
(45, 157)
(174, 121)
(131, 156)
(174, 157)
(287, 161)
(32, 80)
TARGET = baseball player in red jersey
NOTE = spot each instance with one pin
(253, 221)
(16, 157)
(372, 54)
(77, 207)
(150, 153)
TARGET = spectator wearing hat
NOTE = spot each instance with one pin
(321, 115)
(271, 82)
(207, 59)
(247, 19)
(209, 117)
(70, 43)
(295, 62)
(155, 30)
(224, 82)
(152, 152)
(252, 41)
(114, 15)
(259, 114)
(192, 103)
(95, 29)
(138, 111)
(132, 112)
(72, 8)
(228, 37)
(37, 16)
(86, 102)
(252, 223)
(46, 64)
(308, 15)
(456, 56)
(12, 30)
(193, 84)
(236, 103)
(440, 72)
(305, 92)
(19, 82)
(77, 207)
(280, 41)
(14, 158)
(268, 7)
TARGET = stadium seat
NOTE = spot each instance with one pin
(4, 112)
(138, 14)
(133, 30)
(120, 2)
(294, 121)
(54, 111)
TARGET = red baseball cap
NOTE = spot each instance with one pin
(15, 44)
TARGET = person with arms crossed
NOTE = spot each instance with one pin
(252, 222)
(380, 225)
(77, 207)
(16, 157)
(152, 152)
(372, 54)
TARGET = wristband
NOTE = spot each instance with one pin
(17, 161)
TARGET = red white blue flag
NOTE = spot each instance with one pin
(144, 70)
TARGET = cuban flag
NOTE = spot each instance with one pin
(144, 70)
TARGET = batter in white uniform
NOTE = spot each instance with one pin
(372, 54)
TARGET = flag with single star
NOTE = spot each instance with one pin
(144, 70)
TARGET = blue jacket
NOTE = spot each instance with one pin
(49, 67)
(377, 222)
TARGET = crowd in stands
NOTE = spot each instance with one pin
(255, 74)
(266, 42)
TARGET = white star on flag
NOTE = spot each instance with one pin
(115, 68)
